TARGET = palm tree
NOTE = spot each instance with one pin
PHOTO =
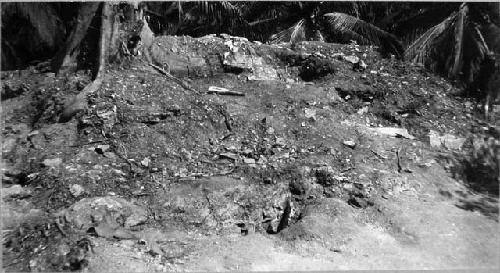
(460, 45)
(322, 21)
(194, 18)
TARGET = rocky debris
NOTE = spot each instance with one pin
(13, 136)
(300, 186)
(249, 161)
(62, 255)
(357, 63)
(159, 143)
(363, 110)
(52, 162)
(328, 221)
(209, 55)
(111, 231)
(360, 202)
(113, 211)
(186, 56)
(145, 162)
(310, 113)
(11, 174)
(231, 156)
(223, 203)
(102, 149)
(170, 245)
(55, 136)
(278, 216)
(11, 91)
(15, 191)
(393, 131)
(107, 114)
(8, 144)
(314, 68)
(353, 59)
(360, 66)
(242, 57)
(360, 90)
(325, 176)
(304, 184)
(448, 141)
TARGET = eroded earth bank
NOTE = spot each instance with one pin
(325, 157)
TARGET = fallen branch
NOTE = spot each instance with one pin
(171, 77)
(378, 155)
(398, 152)
(228, 93)
(223, 91)
(59, 227)
(401, 168)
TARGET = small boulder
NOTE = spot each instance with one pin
(76, 190)
(394, 132)
(310, 113)
(52, 163)
(90, 212)
(449, 141)
(352, 59)
(145, 162)
(15, 190)
(101, 149)
(249, 161)
(349, 143)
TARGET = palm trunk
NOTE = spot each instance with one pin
(459, 40)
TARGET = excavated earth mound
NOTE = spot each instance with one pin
(320, 157)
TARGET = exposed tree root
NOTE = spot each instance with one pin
(175, 79)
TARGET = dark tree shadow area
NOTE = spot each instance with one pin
(479, 169)
(480, 176)
(480, 172)
(486, 206)
(474, 201)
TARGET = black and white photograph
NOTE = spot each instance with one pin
(239, 136)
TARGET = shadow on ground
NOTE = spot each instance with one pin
(487, 206)
(478, 169)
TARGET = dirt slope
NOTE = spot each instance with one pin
(293, 175)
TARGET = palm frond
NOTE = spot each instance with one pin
(318, 36)
(344, 25)
(419, 51)
(441, 48)
(417, 19)
(292, 34)
(259, 10)
(220, 10)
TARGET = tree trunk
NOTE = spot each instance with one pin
(79, 102)
(64, 56)
(104, 39)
